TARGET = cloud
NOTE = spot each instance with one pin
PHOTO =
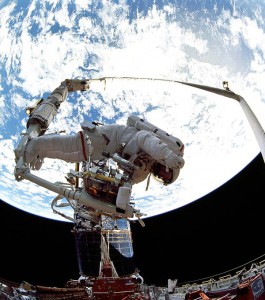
(45, 44)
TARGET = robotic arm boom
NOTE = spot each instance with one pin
(41, 115)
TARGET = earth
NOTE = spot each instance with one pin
(143, 49)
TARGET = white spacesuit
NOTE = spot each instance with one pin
(141, 147)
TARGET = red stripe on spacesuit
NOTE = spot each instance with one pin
(83, 144)
(182, 149)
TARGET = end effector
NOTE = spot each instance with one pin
(74, 85)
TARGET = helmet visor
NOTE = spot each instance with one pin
(162, 173)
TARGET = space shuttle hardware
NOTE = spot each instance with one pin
(105, 248)
(106, 261)
(245, 284)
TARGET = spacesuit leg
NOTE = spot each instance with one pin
(70, 148)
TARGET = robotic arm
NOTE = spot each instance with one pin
(41, 115)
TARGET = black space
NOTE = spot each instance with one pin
(212, 235)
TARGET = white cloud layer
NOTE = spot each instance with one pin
(41, 47)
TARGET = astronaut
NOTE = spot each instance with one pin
(141, 147)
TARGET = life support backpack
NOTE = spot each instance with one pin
(173, 143)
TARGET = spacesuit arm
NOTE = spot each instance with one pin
(154, 147)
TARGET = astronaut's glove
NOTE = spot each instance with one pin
(30, 158)
(174, 161)
(36, 163)
(77, 85)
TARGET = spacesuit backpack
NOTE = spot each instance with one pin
(173, 143)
